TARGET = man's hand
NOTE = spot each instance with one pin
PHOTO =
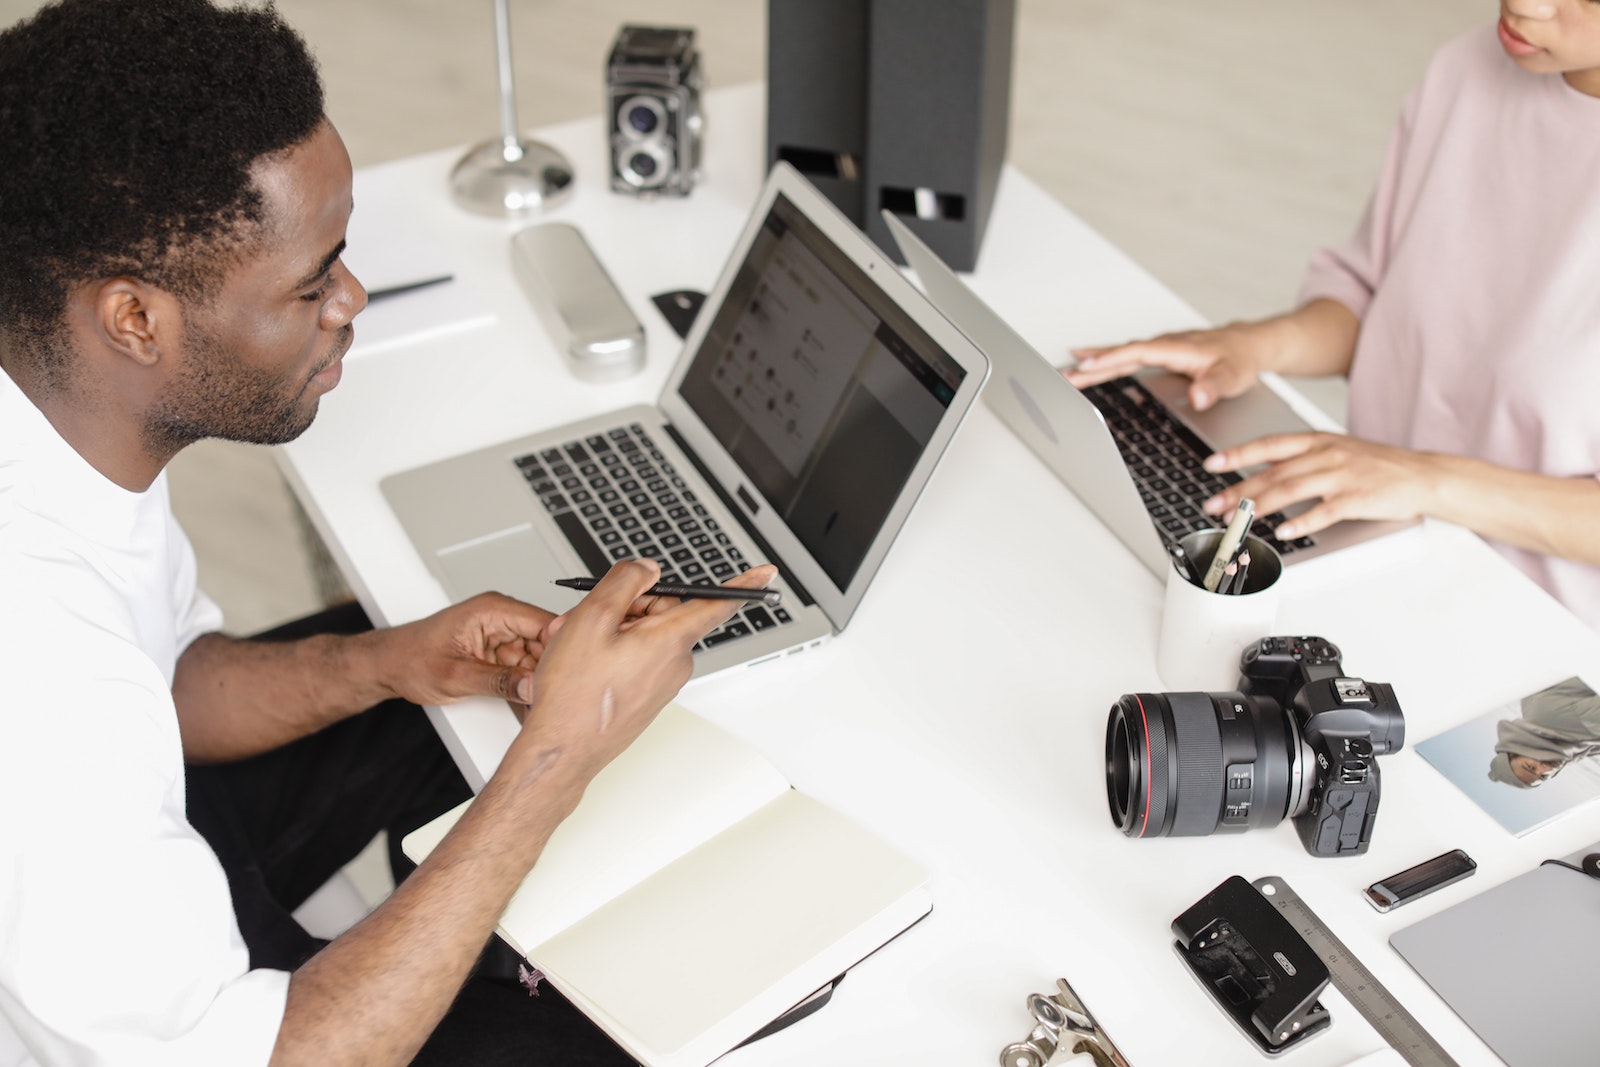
(611, 663)
(486, 646)
(1354, 479)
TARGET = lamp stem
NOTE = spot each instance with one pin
(508, 89)
(508, 177)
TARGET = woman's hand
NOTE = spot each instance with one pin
(1221, 363)
(1317, 339)
(1350, 478)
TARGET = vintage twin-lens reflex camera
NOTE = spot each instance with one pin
(653, 83)
(1297, 739)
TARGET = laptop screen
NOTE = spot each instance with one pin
(821, 388)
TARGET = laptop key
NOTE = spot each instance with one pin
(594, 557)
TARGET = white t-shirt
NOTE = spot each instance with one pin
(1474, 274)
(118, 942)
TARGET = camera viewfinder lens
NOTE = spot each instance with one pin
(642, 118)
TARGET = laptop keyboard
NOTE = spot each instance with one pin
(1165, 458)
(616, 496)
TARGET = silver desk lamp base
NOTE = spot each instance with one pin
(511, 179)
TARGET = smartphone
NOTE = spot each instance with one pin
(1419, 881)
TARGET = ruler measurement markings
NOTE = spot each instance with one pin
(1351, 977)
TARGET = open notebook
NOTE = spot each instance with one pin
(694, 896)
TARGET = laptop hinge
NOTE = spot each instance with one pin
(733, 509)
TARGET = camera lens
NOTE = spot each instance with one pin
(1190, 764)
(643, 119)
(643, 165)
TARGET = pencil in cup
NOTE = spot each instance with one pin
(1194, 550)
(1227, 549)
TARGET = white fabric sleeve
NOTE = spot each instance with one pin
(198, 613)
(121, 944)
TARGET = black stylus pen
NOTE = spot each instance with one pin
(695, 592)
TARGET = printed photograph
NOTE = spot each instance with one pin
(1526, 762)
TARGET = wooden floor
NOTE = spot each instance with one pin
(1217, 141)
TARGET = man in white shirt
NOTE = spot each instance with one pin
(173, 205)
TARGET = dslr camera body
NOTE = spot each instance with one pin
(653, 84)
(1298, 739)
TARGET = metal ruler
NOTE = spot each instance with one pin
(1375, 1003)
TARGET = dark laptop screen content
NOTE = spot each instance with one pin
(820, 387)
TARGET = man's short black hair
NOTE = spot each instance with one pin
(127, 133)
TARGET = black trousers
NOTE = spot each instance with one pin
(284, 822)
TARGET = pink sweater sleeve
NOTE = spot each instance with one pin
(1349, 273)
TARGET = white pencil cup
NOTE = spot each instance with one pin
(1203, 633)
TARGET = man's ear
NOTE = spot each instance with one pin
(136, 320)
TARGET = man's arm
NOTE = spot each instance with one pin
(375, 994)
(236, 698)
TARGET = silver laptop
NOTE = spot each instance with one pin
(1519, 963)
(811, 403)
(1129, 448)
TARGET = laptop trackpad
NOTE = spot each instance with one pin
(1254, 413)
(515, 562)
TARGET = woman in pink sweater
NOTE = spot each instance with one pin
(1465, 310)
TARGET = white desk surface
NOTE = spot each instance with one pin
(962, 714)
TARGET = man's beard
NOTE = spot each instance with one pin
(217, 397)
